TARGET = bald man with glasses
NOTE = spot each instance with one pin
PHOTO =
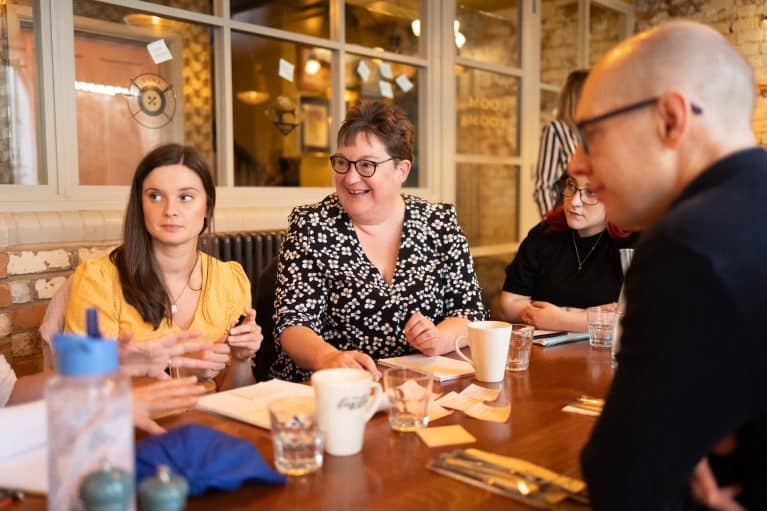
(667, 146)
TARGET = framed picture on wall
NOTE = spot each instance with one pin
(314, 125)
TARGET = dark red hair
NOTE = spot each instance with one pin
(556, 221)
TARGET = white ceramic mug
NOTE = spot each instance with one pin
(489, 343)
(344, 405)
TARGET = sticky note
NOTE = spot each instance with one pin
(286, 70)
(456, 401)
(159, 51)
(445, 435)
(436, 412)
(480, 393)
(363, 71)
(384, 69)
(484, 412)
(386, 89)
(404, 83)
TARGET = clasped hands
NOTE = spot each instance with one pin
(420, 332)
(152, 357)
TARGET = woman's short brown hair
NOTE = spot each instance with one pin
(387, 121)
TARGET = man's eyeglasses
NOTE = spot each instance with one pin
(365, 168)
(569, 187)
(581, 125)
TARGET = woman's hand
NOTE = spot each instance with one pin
(150, 358)
(423, 335)
(161, 397)
(352, 359)
(245, 338)
(548, 316)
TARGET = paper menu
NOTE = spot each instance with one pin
(442, 368)
(249, 404)
(24, 461)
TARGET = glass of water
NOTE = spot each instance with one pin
(298, 441)
(601, 322)
(409, 392)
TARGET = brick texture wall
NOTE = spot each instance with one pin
(29, 277)
(737, 21)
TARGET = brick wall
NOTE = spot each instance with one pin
(738, 23)
(29, 276)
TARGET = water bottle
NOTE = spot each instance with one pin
(626, 254)
(90, 418)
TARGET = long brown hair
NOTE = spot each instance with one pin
(140, 278)
(569, 96)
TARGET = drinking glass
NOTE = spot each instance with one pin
(601, 322)
(408, 391)
(520, 346)
(296, 436)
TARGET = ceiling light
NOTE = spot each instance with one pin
(252, 97)
(415, 26)
(312, 66)
(460, 40)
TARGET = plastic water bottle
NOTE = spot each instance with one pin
(626, 255)
(90, 416)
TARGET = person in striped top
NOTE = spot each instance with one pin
(558, 142)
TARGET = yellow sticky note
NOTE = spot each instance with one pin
(445, 435)
(489, 413)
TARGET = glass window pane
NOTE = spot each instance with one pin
(281, 126)
(392, 26)
(18, 97)
(488, 113)
(368, 79)
(203, 6)
(126, 103)
(488, 32)
(486, 201)
(559, 45)
(605, 31)
(549, 102)
(301, 16)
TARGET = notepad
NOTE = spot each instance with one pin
(552, 337)
(442, 368)
(250, 404)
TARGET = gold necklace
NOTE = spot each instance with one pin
(173, 306)
(578, 255)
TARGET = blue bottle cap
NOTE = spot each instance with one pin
(78, 355)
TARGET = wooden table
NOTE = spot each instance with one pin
(390, 472)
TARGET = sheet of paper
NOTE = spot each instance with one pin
(442, 368)
(480, 393)
(363, 71)
(249, 404)
(445, 435)
(159, 51)
(436, 412)
(26, 425)
(386, 89)
(404, 83)
(456, 401)
(384, 69)
(286, 70)
(484, 412)
(27, 472)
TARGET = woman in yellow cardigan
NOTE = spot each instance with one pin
(159, 282)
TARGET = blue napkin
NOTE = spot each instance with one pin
(206, 457)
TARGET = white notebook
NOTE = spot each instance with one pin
(249, 404)
(443, 368)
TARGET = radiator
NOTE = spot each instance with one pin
(253, 250)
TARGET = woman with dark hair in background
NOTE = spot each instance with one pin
(568, 262)
(158, 282)
(558, 142)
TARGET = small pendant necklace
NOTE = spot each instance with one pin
(173, 306)
(591, 250)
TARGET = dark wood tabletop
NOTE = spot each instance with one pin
(390, 473)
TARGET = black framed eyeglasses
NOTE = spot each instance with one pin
(569, 187)
(581, 125)
(365, 168)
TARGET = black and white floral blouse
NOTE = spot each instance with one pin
(326, 282)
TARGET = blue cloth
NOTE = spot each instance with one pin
(206, 457)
